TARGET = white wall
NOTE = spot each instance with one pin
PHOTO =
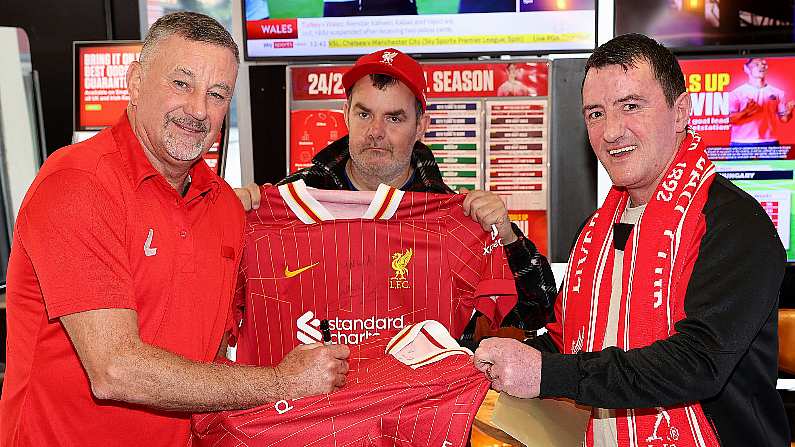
(17, 132)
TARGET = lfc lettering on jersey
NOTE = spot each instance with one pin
(398, 284)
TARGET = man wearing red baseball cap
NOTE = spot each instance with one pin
(385, 115)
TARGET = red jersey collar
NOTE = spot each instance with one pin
(140, 168)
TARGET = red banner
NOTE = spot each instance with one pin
(272, 29)
(102, 83)
(444, 80)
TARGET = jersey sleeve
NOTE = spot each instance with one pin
(441, 413)
(481, 273)
(69, 228)
(383, 403)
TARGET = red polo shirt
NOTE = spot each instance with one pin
(101, 228)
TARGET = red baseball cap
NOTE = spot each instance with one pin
(390, 62)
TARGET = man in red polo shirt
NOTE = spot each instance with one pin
(122, 269)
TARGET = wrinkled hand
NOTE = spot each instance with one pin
(487, 209)
(249, 196)
(511, 366)
(313, 369)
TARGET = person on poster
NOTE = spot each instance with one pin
(513, 86)
(756, 108)
(666, 324)
(123, 266)
(385, 115)
(353, 8)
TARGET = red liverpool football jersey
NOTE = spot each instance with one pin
(371, 263)
(424, 392)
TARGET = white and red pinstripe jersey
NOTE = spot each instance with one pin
(369, 262)
(424, 392)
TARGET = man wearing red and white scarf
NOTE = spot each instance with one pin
(666, 323)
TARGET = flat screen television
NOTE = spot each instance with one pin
(100, 82)
(707, 25)
(339, 29)
(744, 108)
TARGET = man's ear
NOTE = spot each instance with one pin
(134, 80)
(682, 109)
(346, 108)
(422, 126)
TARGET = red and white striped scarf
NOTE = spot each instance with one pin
(654, 282)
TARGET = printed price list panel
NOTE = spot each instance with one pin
(516, 162)
(455, 137)
(516, 148)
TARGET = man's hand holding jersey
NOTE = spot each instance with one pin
(249, 196)
(487, 209)
(511, 366)
(313, 369)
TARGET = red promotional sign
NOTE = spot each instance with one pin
(311, 131)
(722, 88)
(444, 80)
(102, 82)
(272, 29)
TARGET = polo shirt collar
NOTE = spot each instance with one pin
(140, 169)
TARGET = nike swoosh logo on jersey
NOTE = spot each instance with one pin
(148, 249)
(291, 273)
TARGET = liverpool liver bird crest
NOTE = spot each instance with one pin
(399, 263)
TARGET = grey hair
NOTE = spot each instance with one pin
(190, 25)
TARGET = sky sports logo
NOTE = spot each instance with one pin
(347, 332)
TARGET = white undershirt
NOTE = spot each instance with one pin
(604, 420)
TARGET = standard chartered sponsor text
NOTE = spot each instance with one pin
(355, 331)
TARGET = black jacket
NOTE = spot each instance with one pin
(725, 352)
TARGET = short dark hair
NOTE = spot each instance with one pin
(381, 82)
(629, 49)
(190, 25)
(751, 59)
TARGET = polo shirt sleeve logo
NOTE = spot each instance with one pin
(148, 250)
